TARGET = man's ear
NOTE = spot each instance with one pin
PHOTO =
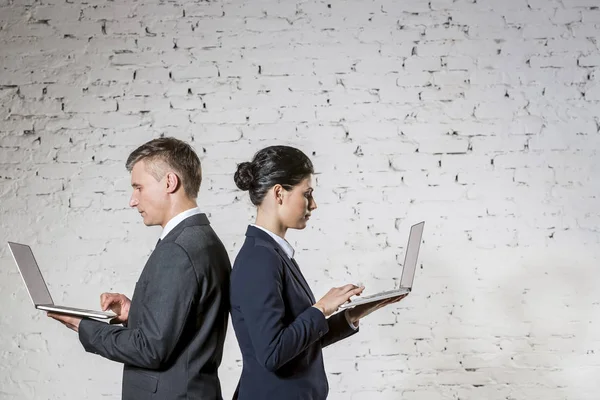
(173, 182)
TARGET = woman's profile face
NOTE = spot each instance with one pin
(298, 204)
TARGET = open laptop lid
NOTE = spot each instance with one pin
(411, 254)
(30, 272)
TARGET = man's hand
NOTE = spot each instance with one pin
(117, 303)
(67, 320)
(361, 311)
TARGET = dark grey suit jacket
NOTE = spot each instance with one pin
(173, 342)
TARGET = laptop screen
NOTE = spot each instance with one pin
(410, 257)
(30, 272)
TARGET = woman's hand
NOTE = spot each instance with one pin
(336, 297)
(361, 311)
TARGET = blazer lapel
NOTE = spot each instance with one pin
(292, 266)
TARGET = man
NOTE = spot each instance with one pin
(173, 331)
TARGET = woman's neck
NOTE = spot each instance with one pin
(270, 223)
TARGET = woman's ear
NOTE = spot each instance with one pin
(278, 192)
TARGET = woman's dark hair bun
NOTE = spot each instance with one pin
(273, 165)
(243, 176)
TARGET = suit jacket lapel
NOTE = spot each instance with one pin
(293, 267)
(290, 264)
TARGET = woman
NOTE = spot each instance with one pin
(280, 327)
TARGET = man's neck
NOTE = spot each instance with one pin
(177, 209)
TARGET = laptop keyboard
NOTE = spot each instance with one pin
(78, 309)
(379, 294)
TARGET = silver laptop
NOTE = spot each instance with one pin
(408, 271)
(37, 289)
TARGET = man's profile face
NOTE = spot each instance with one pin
(149, 196)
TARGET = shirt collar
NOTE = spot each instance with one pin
(284, 244)
(177, 219)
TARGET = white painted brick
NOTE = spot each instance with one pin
(442, 93)
(469, 15)
(110, 44)
(591, 15)
(77, 32)
(56, 14)
(593, 93)
(416, 161)
(498, 144)
(89, 104)
(498, 110)
(108, 12)
(583, 3)
(399, 94)
(167, 11)
(545, 4)
(414, 79)
(347, 97)
(519, 47)
(429, 49)
(145, 89)
(133, 59)
(589, 61)
(416, 63)
(43, 107)
(570, 45)
(293, 114)
(204, 42)
(443, 145)
(452, 32)
(143, 104)
(494, 77)
(189, 103)
(489, 34)
(496, 234)
(459, 63)
(114, 120)
(552, 62)
(506, 63)
(152, 74)
(562, 93)
(583, 30)
(537, 176)
(567, 16)
(33, 28)
(66, 122)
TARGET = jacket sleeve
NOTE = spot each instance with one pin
(258, 282)
(170, 294)
(339, 329)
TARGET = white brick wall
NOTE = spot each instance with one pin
(481, 117)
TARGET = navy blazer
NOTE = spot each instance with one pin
(279, 332)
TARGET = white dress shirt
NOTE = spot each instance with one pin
(284, 244)
(173, 222)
